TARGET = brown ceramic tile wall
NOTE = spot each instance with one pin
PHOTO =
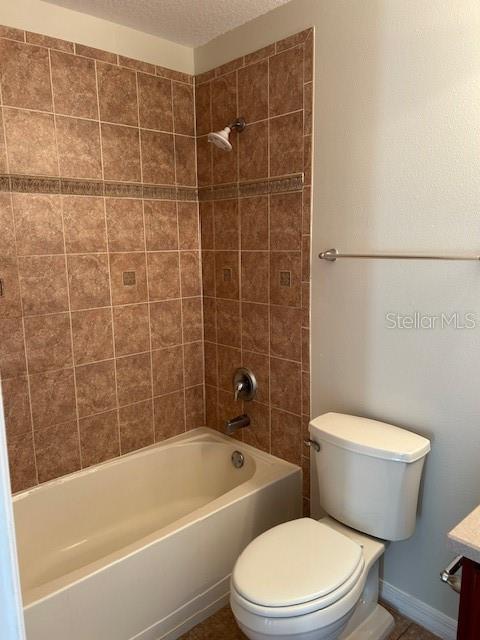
(256, 250)
(105, 320)
(101, 342)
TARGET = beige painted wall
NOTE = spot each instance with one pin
(55, 21)
(396, 167)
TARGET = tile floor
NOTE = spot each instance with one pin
(222, 626)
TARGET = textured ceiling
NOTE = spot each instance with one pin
(188, 22)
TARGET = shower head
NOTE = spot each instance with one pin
(221, 138)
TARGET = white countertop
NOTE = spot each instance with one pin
(465, 537)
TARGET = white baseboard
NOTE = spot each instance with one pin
(423, 614)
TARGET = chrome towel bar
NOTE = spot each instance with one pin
(333, 254)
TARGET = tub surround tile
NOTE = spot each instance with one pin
(285, 332)
(286, 436)
(10, 302)
(209, 319)
(260, 365)
(78, 144)
(136, 426)
(185, 161)
(165, 329)
(163, 275)
(253, 91)
(38, 224)
(227, 274)
(137, 65)
(92, 335)
(285, 385)
(97, 54)
(12, 350)
(128, 276)
(285, 278)
(57, 451)
(125, 224)
(190, 273)
(143, 256)
(48, 342)
(12, 34)
(253, 152)
(134, 378)
(188, 225)
(21, 455)
(117, 94)
(183, 109)
(228, 322)
(286, 144)
(157, 157)
(255, 325)
(286, 212)
(39, 157)
(192, 319)
(194, 407)
(74, 85)
(255, 276)
(224, 100)
(99, 438)
(167, 366)
(131, 325)
(193, 363)
(7, 237)
(84, 224)
(254, 258)
(121, 153)
(48, 41)
(226, 224)
(52, 395)
(95, 387)
(254, 223)
(155, 102)
(161, 225)
(258, 433)
(169, 415)
(88, 281)
(203, 112)
(16, 406)
(227, 359)
(225, 165)
(25, 76)
(43, 284)
(286, 81)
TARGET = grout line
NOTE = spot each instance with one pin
(65, 261)
(112, 319)
(269, 275)
(179, 261)
(22, 319)
(199, 236)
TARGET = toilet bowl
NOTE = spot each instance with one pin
(277, 589)
(318, 579)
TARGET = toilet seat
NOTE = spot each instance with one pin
(297, 568)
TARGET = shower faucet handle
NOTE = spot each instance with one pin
(244, 384)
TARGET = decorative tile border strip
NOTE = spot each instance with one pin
(256, 188)
(67, 186)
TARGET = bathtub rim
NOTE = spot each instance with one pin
(278, 468)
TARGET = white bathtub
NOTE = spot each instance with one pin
(142, 547)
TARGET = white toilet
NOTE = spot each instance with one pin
(318, 579)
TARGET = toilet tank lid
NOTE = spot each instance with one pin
(370, 437)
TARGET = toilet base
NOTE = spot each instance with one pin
(377, 626)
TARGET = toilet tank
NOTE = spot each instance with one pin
(368, 473)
